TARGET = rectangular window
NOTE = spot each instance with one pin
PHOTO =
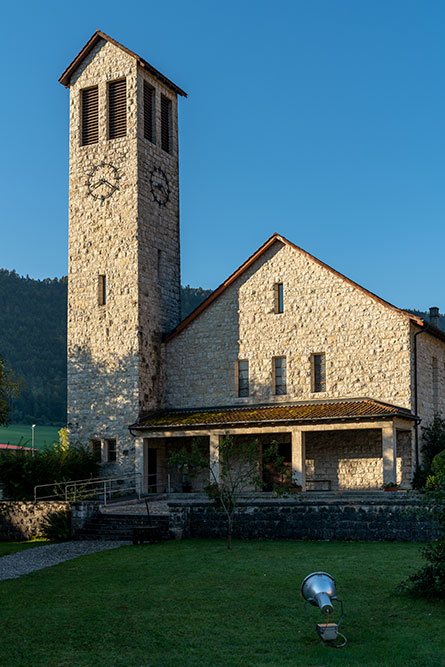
(435, 369)
(96, 449)
(318, 372)
(110, 446)
(102, 290)
(117, 109)
(166, 121)
(243, 378)
(279, 367)
(149, 106)
(279, 306)
(90, 116)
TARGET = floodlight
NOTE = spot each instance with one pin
(319, 590)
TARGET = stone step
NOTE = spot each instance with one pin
(120, 527)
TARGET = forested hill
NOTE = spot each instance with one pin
(33, 342)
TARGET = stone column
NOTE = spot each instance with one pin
(298, 458)
(214, 456)
(389, 452)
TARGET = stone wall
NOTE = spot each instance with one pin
(23, 520)
(369, 518)
(428, 404)
(366, 343)
(353, 459)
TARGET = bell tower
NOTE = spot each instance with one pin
(124, 255)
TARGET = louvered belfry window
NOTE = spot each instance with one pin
(166, 119)
(149, 98)
(117, 109)
(90, 116)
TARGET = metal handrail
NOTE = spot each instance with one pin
(102, 486)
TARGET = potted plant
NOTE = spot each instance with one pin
(390, 486)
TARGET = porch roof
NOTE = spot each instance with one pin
(303, 412)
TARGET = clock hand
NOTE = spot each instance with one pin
(114, 187)
(96, 185)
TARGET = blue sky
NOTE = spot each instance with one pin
(322, 120)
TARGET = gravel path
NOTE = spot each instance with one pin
(37, 558)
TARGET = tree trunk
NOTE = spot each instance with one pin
(229, 533)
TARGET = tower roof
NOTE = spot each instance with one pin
(98, 35)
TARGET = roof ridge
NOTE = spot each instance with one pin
(256, 255)
(91, 43)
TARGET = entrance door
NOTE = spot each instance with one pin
(152, 470)
(271, 477)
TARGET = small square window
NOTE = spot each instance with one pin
(111, 449)
(243, 378)
(278, 298)
(280, 375)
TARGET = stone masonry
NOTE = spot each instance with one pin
(114, 350)
(367, 344)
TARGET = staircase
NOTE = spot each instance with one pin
(119, 526)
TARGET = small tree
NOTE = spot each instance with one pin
(238, 472)
(433, 442)
(9, 389)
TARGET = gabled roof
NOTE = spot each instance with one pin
(98, 35)
(275, 238)
(304, 412)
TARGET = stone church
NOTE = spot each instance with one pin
(287, 349)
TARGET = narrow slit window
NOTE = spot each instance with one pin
(319, 372)
(102, 290)
(90, 116)
(166, 121)
(243, 378)
(159, 262)
(149, 120)
(111, 448)
(279, 304)
(280, 376)
(117, 109)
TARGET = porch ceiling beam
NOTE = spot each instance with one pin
(242, 430)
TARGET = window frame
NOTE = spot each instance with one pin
(82, 116)
(109, 85)
(169, 118)
(278, 298)
(102, 289)
(276, 375)
(110, 452)
(239, 379)
(318, 385)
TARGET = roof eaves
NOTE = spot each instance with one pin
(98, 35)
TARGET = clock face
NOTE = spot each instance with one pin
(159, 186)
(103, 181)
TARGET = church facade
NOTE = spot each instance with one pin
(286, 350)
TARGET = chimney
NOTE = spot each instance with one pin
(434, 316)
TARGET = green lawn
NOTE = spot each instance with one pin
(7, 548)
(18, 434)
(193, 603)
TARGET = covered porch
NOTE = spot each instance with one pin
(348, 445)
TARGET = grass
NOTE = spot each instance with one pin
(193, 603)
(19, 434)
(7, 548)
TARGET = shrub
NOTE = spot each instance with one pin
(57, 526)
(20, 473)
(433, 442)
